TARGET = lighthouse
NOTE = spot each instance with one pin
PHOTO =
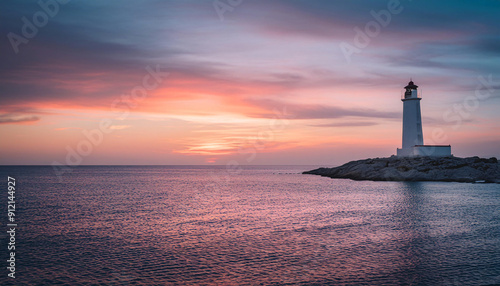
(413, 138)
(412, 117)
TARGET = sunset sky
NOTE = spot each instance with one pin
(251, 81)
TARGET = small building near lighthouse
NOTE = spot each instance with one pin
(413, 138)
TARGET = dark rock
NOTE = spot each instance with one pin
(447, 169)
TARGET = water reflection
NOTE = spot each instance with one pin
(409, 215)
(157, 226)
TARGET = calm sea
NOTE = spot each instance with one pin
(267, 225)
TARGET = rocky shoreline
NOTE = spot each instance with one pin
(444, 169)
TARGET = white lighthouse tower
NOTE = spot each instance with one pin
(413, 139)
(412, 117)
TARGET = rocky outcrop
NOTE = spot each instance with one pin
(447, 169)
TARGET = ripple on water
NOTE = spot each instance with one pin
(267, 226)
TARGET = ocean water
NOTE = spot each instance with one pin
(266, 225)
